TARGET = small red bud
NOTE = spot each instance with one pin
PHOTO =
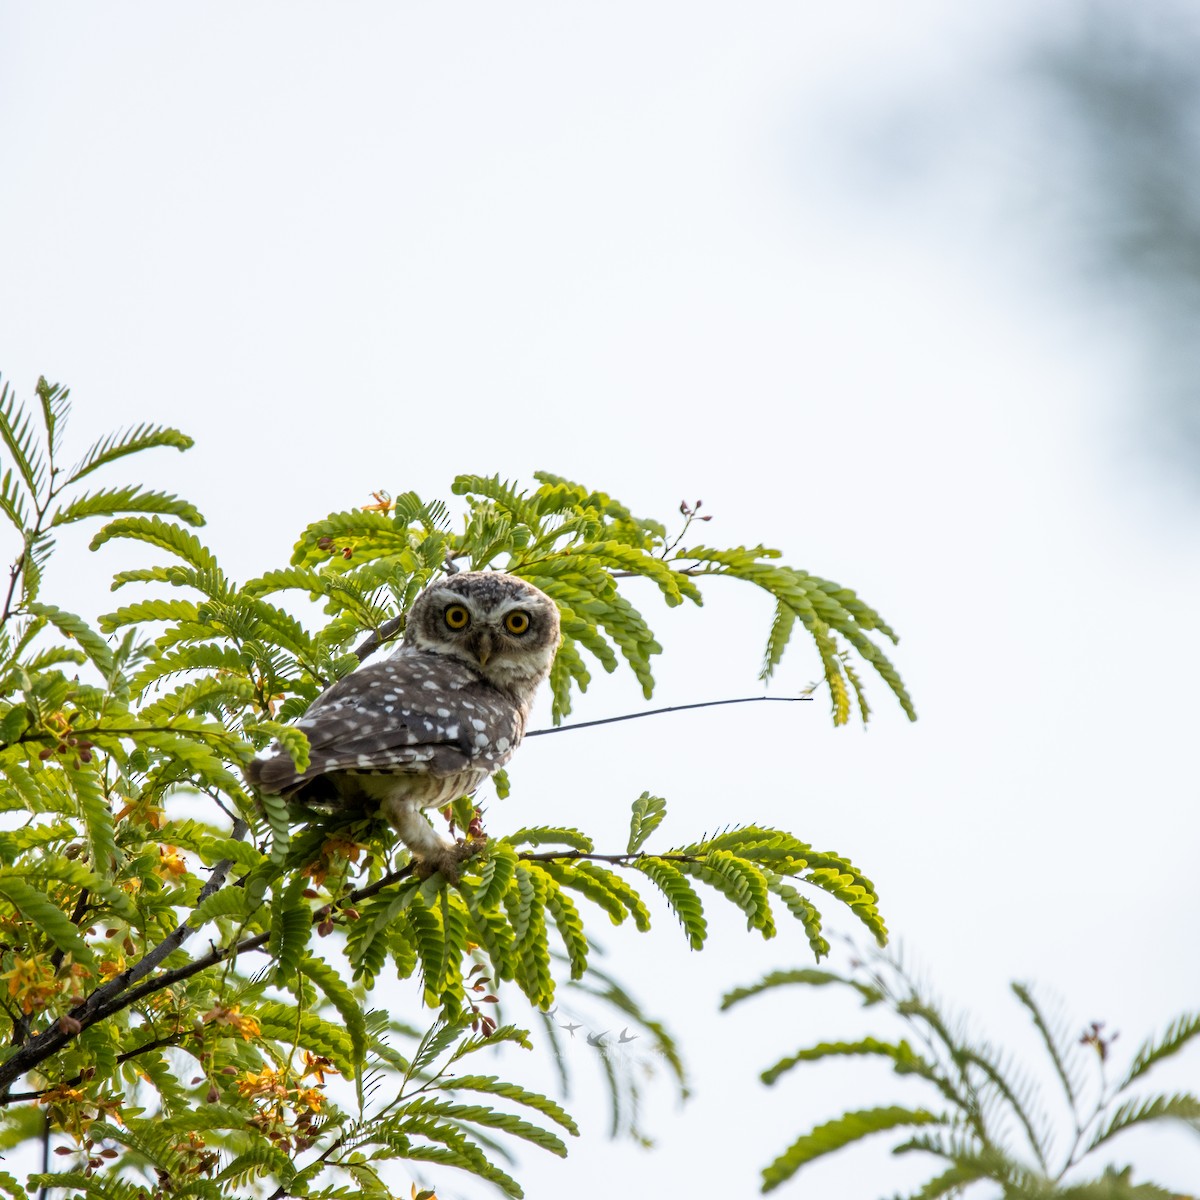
(347, 552)
(213, 1094)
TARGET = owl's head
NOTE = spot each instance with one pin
(501, 626)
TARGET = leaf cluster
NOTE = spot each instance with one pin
(988, 1119)
(186, 968)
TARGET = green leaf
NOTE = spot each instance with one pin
(12, 501)
(808, 976)
(680, 895)
(293, 741)
(132, 441)
(164, 534)
(833, 1135)
(19, 434)
(111, 502)
(46, 917)
(511, 1091)
(560, 835)
(76, 628)
(1182, 1107)
(98, 818)
(291, 928)
(227, 902)
(1057, 1047)
(338, 993)
(1181, 1031)
(648, 813)
(900, 1053)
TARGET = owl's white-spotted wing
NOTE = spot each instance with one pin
(414, 713)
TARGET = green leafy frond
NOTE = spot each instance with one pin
(13, 501)
(680, 895)
(1182, 1106)
(111, 502)
(511, 1091)
(1177, 1035)
(46, 917)
(738, 880)
(165, 535)
(647, 816)
(549, 835)
(843, 1131)
(20, 435)
(808, 977)
(1056, 1044)
(120, 445)
(78, 630)
(900, 1053)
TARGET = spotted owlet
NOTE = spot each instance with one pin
(431, 722)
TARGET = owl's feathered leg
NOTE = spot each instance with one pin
(432, 850)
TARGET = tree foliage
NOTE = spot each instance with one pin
(987, 1121)
(189, 968)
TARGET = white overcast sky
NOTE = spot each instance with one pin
(673, 250)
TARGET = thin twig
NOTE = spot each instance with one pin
(377, 637)
(654, 712)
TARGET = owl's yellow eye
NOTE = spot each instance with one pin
(457, 617)
(517, 622)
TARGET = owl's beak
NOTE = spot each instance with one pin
(481, 646)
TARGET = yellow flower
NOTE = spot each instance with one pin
(318, 1065)
(248, 1027)
(267, 1082)
(310, 1098)
(31, 982)
(169, 862)
(112, 967)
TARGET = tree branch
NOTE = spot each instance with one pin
(112, 996)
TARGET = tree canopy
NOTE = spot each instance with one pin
(190, 967)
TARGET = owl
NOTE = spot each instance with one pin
(431, 722)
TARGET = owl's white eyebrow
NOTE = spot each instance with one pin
(654, 712)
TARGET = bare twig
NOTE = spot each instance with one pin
(654, 712)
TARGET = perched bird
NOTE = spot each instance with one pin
(431, 722)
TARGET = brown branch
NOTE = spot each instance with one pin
(112, 996)
(119, 993)
(157, 1044)
(377, 637)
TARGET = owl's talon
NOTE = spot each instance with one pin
(449, 859)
